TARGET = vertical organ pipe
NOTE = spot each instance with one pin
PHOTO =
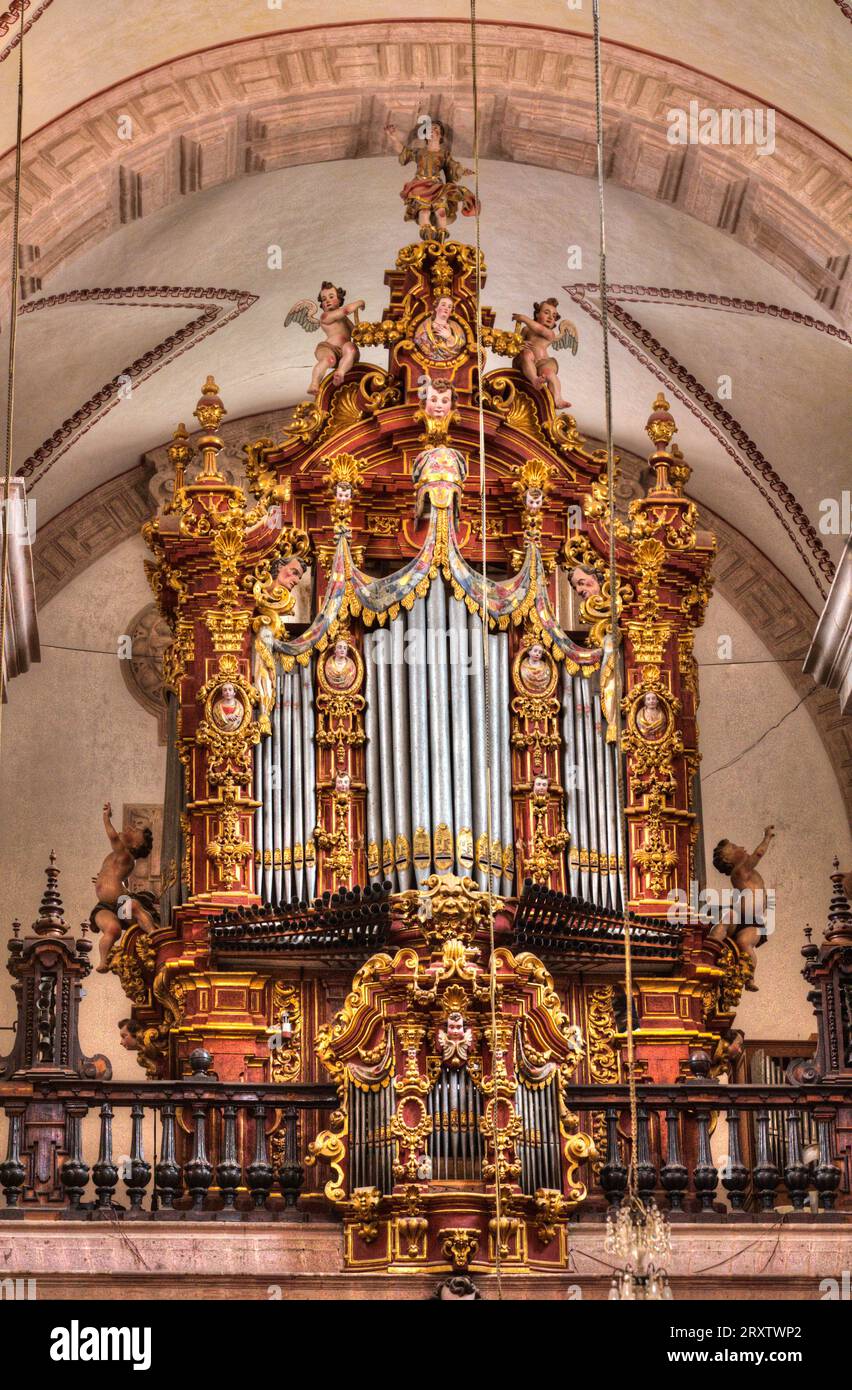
(479, 791)
(401, 755)
(443, 832)
(373, 732)
(458, 653)
(418, 724)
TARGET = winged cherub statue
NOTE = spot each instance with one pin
(455, 1040)
(542, 337)
(331, 314)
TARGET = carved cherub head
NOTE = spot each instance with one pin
(541, 785)
(727, 855)
(330, 296)
(547, 312)
(437, 397)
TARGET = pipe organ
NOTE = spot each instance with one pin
(402, 860)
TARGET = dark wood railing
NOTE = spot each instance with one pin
(233, 1151)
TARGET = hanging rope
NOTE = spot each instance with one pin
(10, 386)
(486, 668)
(613, 594)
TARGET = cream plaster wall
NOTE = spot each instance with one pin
(73, 738)
(785, 780)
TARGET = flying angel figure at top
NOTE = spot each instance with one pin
(541, 338)
(433, 197)
(330, 313)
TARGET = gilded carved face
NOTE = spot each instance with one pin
(540, 786)
(342, 782)
(439, 402)
(534, 499)
(584, 584)
(343, 492)
(290, 573)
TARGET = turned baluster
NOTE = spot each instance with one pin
(75, 1173)
(168, 1173)
(199, 1170)
(12, 1171)
(259, 1173)
(646, 1172)
(613, 1174)
(827, 1175)
(765, 1175)
(105, 1171)
(796, 1174)
(139, 1174)
(291, 1174)
(229, 1171)
(674, 1175)
(704, 1173)
(735, 1179)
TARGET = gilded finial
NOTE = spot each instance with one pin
(208, 413)
(180, 453)
(660, 426)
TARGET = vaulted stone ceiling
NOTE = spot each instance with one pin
(146, 256)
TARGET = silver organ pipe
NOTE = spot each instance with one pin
(455, 1144)
(418, 702)
(478, 778)
(386, 758)
(371, 728)
(371, 1147)
(440, 750)
(425, 725)
(401, 760)
(460, 718)
(285, 785)
(591, 815)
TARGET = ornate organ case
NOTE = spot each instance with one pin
(439, 738)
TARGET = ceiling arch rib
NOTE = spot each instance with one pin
(294, 98)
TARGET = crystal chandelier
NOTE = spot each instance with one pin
(639, 1235)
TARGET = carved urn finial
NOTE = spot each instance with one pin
(208, 413)
(660, 426)
(669, 466)
(51, 919)
(180, 453)
(839, 927)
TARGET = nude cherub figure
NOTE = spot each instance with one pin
(746, 921)
(117, 908)
(338, 351)
(543, 335)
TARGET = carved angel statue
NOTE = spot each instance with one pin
(543, 337)
(455, 1041)
(433, 197)
(331, 314)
